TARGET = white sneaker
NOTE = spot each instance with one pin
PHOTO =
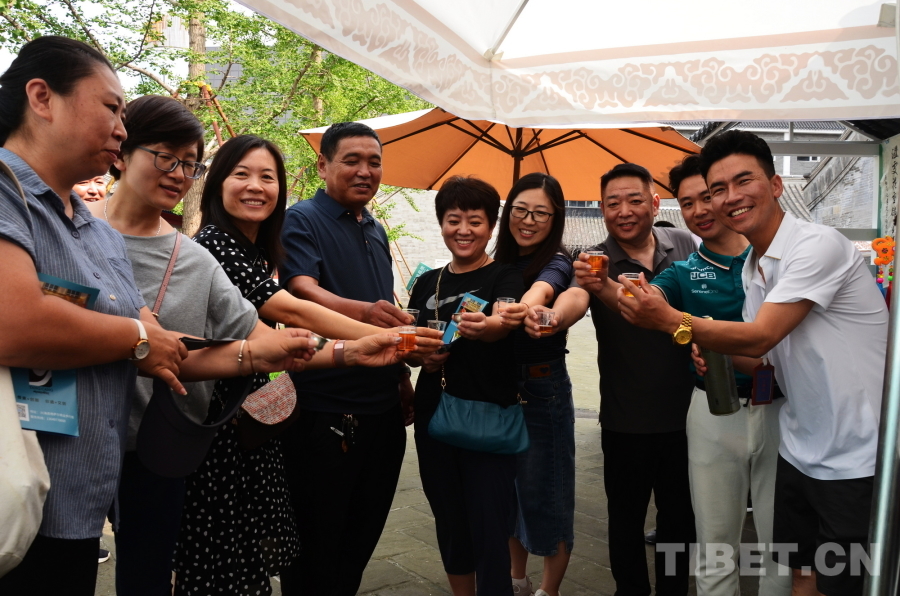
(522, 587)
(541, 592)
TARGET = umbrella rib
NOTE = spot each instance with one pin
(421, 130)
(484, 135)
(659, 141)
(623, 160)
(459, 157)
(560, 140)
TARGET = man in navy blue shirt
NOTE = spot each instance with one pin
(343, 455)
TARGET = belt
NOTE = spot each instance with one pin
(536, 371)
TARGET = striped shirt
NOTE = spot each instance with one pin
(84, 470)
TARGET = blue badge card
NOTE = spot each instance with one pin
(469, 303)
(422, 268)
(47, 400)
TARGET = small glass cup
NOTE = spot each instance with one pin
(545, 323)
(439, 325)
(320, 341)
(407, 338)
(503, 303)
(634, 278)
(414, 313)
(594, 259)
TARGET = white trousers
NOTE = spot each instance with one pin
(729, 458)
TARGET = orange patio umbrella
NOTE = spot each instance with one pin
(422, 149)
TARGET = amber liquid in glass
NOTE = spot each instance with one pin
(636, 282)
(407, 342)
(594, 261)
(545, 329)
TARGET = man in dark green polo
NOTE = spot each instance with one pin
(729, 456)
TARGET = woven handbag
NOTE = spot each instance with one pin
(267, 412)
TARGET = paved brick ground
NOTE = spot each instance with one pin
(407, 561)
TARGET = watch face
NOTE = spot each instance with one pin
(683, 336)
(141, 350)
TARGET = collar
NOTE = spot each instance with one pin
(779, 242)
(617, 254)
(333, 208)
(33, 185)
(722, 261)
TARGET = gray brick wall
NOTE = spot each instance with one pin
(843, 193)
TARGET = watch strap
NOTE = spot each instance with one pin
(338, 354)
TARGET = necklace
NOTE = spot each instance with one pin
(480, 265)
(106, 217)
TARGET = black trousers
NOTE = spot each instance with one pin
(149, 509)
(54, 566)
(634, 465)
(473, 498)
(341, 499)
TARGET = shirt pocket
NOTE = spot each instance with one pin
(123, 282)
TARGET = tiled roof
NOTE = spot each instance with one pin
(584, 230)
(792, 199)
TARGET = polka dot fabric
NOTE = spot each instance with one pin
(238, 527)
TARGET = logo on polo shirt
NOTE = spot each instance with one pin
(695, 275)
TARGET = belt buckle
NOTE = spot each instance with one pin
(539, 370)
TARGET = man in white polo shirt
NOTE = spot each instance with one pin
(813, 309)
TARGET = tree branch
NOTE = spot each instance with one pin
(154, 77)
(362, 107)
(225, 76)
(293, 92)
(146, 32)
(84, 27)
(17, 26)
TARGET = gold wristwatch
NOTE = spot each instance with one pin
(683, 334)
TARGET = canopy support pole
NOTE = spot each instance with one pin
(492, 51)
(884, 529)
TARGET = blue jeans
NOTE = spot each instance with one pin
(545, 478)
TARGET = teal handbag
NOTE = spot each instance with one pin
(477, 425)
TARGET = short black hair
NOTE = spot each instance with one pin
(344, 130)
(736, 142)
(467, 194)
(155, 119)
(689, 166)
(60, 61)
(662, 223)
(212, 207)
(626, 170)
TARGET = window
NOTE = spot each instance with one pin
(807, 158)
(583, 204)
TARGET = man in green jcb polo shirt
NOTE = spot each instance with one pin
(729, 456)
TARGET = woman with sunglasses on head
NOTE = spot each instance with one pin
(61, 121)
(233, 538)
(530, 238)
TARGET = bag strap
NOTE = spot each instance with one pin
(437, 291)
(167, 276)
(4, 167)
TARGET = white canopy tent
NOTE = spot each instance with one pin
(581, 62)
(584, 63)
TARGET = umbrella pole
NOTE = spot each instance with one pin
(517, 157)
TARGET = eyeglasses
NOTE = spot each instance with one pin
(537, 216)
(166, 162)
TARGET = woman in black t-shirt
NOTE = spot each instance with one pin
(530, 237)
(471, 493)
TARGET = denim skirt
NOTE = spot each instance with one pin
(545, 476)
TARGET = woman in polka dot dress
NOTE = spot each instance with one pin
(238, 527)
